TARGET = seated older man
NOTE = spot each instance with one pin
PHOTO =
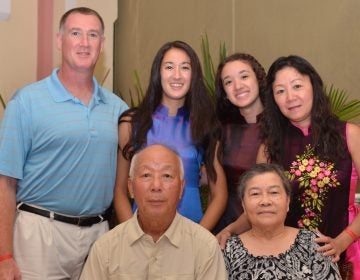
(157, 242)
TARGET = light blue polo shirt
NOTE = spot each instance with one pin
(62, 152)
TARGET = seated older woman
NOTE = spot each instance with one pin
(271, 250)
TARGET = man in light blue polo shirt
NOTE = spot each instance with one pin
(58, 148)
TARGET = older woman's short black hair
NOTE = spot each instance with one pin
(259, 169)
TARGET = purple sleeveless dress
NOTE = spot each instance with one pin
(174, 132)
(241, 142)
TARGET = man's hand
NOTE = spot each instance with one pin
(9, 270)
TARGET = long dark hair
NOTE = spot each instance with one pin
(225, 109)
(327, 141)
(203, 121)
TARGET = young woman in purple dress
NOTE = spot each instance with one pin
(177, 112)
(240, 88)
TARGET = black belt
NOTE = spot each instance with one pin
(82, 221)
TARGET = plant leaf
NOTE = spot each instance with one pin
(2, 101)
(345, 110)
(138, 87)
(208, 64)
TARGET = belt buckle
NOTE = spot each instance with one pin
(101, 219)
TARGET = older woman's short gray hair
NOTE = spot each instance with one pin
(263, 168)
(135, 159)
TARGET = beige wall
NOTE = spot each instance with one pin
(326, 32)
(18, 48)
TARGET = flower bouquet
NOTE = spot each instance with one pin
(316, 177)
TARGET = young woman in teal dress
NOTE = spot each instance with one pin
(177, 112)
(240, 87)
(321, 154)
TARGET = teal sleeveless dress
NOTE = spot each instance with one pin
(175, 133)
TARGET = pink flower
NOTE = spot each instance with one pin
(320, 175)
(313, 182)
(327, 172)
(298, 172)
(311, 161)
(292, 170)
(314, 188)
(322, 164)
(309, 168)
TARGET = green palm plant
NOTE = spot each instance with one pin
(209, 73)
(135, 98)
(209, 70)
(344, 109)
(138, 89)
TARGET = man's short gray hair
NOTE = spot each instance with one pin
(135, 159)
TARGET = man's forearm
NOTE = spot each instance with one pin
(7, 214)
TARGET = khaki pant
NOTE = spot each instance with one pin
(45, 249)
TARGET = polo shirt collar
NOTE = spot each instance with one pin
(60, 94)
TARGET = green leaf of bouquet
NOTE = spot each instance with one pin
(318, 207)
